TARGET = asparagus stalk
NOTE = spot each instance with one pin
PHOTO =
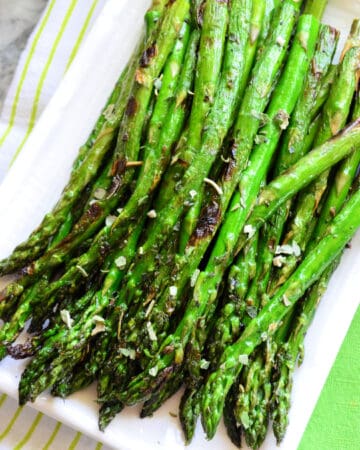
(158, 398)
(215, 129)
(195, 371)
(211, 51)
(153, 15)
(290, 351)
(208, 282)
(177, 114)
(243, 271)
(335, 115)
(145, 75)
(197, 10)
(247, 400)
(73, 381)
(271, 8)
(253, 101)
(228, 324)
(341, 185)
(270, 318)
(294, 146)
(252, 407)
(256, 22)
(189, 410)
(91, 155)
(315, 7)
(274, 195)
(307, 169)
(65, 347)
(233, 430)
(213, 31)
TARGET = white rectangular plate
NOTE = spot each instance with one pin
(35, 182)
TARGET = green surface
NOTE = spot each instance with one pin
(335, 421)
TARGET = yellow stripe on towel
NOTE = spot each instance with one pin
(11, 423)
(43, 75)
(30, 432)
(75, 441)
(25, 71)
(82, 33)
(53, 436)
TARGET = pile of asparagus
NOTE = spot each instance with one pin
(202, 220)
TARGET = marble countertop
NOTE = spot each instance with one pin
(17, 20)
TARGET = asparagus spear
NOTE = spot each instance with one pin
(145, 75)
(307, 169)
(65, 347)
(252, 407)
(214, 269)
(291, 349)
(195, 372)
(189, 410)
(253, 100)
(153, 15)
(315, 7)
(271, 8)
(73, 381)
(233, 430)
(228, 323)
(256, 29)
(197, 11)
(90, 156)
(270, 318)
(282, 188)
(176, 115)
(211, 51)
(335, 114)
(215, 129)
(158, 398)
(294, 146)
(214, 26)
(247, 400)
(340, 187)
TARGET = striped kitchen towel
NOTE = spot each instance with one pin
(51, 49)
(27, 429)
